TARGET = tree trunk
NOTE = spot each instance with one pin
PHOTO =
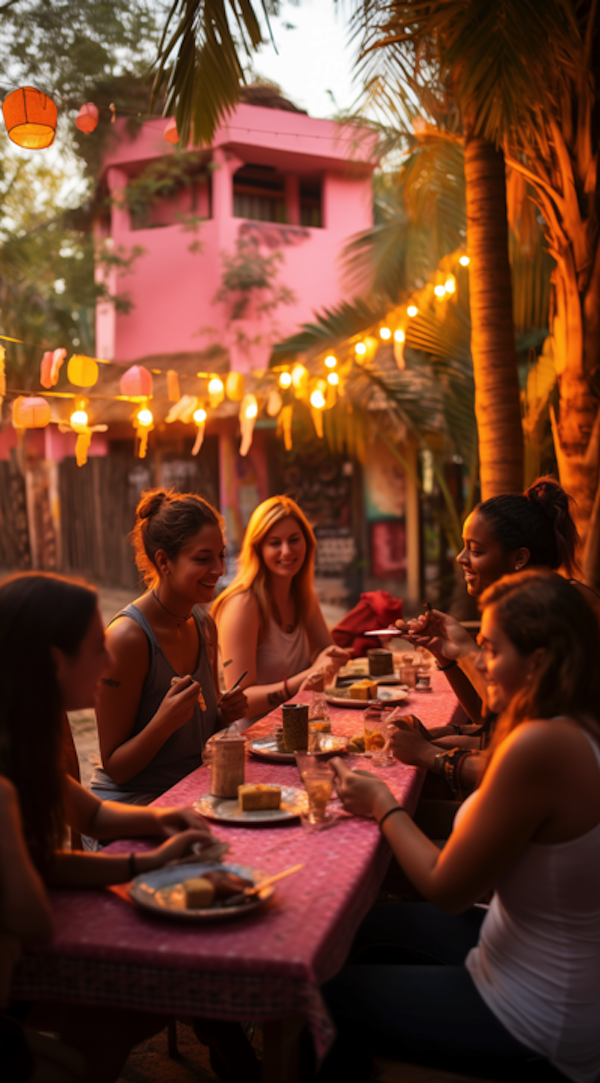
(497, 397)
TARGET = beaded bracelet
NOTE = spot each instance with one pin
(396, 808)
(443, 669)
(449, 765)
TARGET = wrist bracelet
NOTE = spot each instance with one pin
(132, 867)
(396, 808)
(443, 669)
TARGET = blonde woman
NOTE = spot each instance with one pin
(269, 619)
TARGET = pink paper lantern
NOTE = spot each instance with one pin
(136, 383)
(170, 133)
(87, 118)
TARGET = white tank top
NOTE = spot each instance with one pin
(281, 654)
(537, 963)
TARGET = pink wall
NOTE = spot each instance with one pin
(172, 287)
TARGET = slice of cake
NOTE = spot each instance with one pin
(199, 893)
(257, 795)
(365, 689)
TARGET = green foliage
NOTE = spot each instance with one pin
(251, 278)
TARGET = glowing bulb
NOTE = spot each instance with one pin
(251, 410)
(330, 362)
(385, 333)
(399, 335)
(333, 379)
(299, 375)
(285, 379)
(200, 416)
(360, 349)
(79, 417)
(145, 418)
(215, 386)
(464, 261)
(440, 291)
(450, 284)
(412, 310)
(317, 399)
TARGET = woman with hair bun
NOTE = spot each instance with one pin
(159, 701)
(269, 618)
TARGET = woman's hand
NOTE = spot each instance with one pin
(397, 715)
(178, 704)
(233, 705)
(361, 793)
(408, 743)
(328, 662)
(439, 633)
(173, 850)
(173, 821)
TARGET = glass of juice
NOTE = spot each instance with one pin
(376, 735)
(317, 776)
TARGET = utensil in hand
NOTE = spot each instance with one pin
(239, 681)
(383, 632)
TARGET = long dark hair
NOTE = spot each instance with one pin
(165, 519)
(539, 520)
(37, 612)
(537, 608)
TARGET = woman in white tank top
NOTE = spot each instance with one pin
(269, 619)
(522, 986)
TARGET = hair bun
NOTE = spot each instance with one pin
(548, 497)
(151, 501)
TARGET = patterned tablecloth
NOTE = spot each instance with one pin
(268, 965)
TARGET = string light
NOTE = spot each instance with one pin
(330, 362)
(333, 379)
(412, 311)
(385, 333)
(215, 386)
(285, 379)
(317, 399)
(145, 417)
(78, 417)
(299, 376)
(399, 335)
(251, 411)
(440, 292)
(200, 416)
(464, 261)
(450, 284)
(360, 349)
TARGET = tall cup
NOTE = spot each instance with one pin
(228, 764)
(295, 726)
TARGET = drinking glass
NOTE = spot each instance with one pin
(377, 738)
(317, 777)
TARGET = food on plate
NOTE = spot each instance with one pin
(319, 725)
(226, 884)
(199, 893)
(356, 743)
(278, 734)
(258, 795)
(364, 689)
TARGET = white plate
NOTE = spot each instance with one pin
(161, 892)
(227, 809)
(265, 748)
(399, 696)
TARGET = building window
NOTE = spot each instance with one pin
(310, 204)
(259, 194)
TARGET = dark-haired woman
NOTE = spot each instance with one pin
(516, 988)
(159, 700)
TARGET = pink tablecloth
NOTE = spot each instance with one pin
(269, 965)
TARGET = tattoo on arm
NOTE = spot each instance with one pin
(275, 698)
(108, 681)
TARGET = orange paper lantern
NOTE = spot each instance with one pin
(170, 133)
(87, 118)
(136, 383)
(82, 371)
(30, 413)
(30, 118)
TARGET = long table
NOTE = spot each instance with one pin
(266, 967)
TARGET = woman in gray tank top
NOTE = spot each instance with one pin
(159, 701)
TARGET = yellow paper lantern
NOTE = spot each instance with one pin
(82, 371)
(32, 412)
(30, 118)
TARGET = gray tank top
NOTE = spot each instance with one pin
(182, 751)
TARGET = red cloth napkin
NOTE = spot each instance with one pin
(376, 609)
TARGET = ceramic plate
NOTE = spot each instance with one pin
(161, 891)
(265, 748)
(227, 809)
(393, 696)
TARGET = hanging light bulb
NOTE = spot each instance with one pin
(216, 392)
(78, 418)
(440, 292)
(145, 417)
(330, 362)
(385, 333)
(200, 416)
(464, 261)
(317, 399)
(333, 379)
(251, 410)
(399, 335)
(360, 349)
(450, 284)
(285, 379)
(299, 376)
(412, 311)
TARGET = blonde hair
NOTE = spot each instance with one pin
(539, 609)
(252, 573)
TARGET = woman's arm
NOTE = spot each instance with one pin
(523, 789)
(120, 691)
(24, 907)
